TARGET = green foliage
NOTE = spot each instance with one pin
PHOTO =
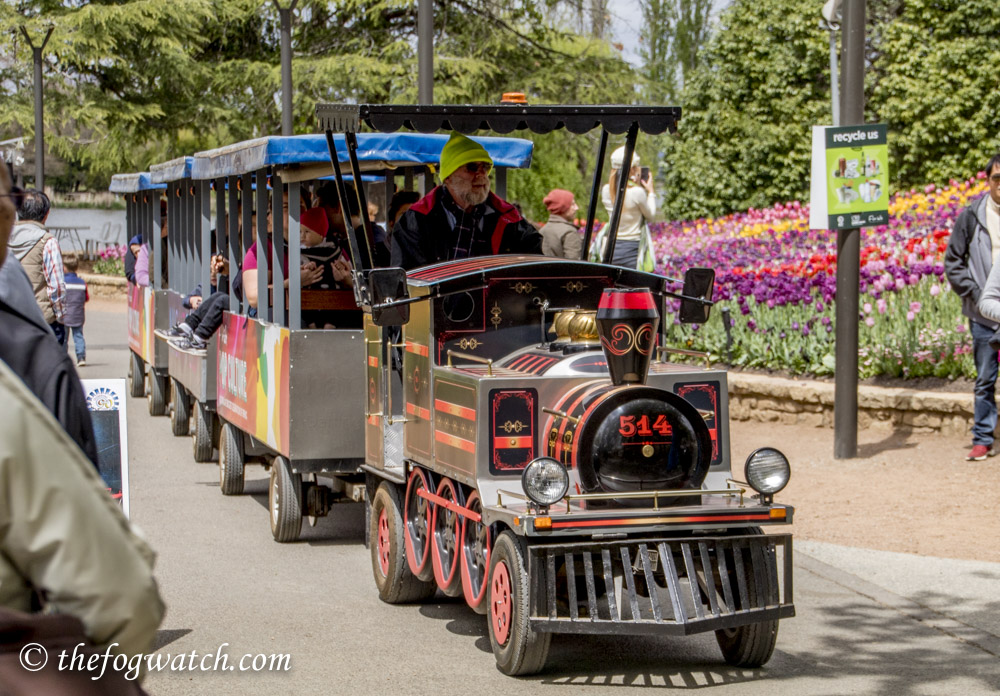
(939, 90)
(744, 138)
(109, 267)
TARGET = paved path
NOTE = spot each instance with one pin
(868, 622)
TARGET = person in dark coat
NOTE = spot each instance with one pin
(33, 353)
(973, 250)
(461, 218)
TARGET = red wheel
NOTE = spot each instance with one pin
(475, 557)
(383, 541)
(501, 607)
(447, 527)
(417, 516)
(518, 648)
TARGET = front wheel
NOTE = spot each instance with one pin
(750, 645)
(395, 582)
(201, 433)
(518, 649)
(230, 461)
(284, 498)
(136, 375)
(157, 394)
(180, 414)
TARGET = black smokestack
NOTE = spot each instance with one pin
(626, 322)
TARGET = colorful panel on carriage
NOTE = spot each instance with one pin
(253, 379)
(455, 425)
(140, 321)
(513, 415)
(704, 396)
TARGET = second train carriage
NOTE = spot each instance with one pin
(537, 455)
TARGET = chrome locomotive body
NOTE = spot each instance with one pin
(503, 371)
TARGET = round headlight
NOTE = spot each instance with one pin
(545, 481)
(767, 470)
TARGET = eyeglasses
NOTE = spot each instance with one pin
(478, 168)
(995, 178)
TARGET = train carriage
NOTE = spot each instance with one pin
(278, 384)
(536, 452)
(147, 305)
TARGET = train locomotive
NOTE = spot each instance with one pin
(530, 447)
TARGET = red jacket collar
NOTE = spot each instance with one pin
(427, 203)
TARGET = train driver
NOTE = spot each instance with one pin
(461, 218)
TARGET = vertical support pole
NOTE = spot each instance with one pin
(263, 277)
(278, 249)
(834, 86)
(205, 262)
(501, 185)
(425, 51)
(845, 408)
(285, 14)
(235, 247)
(247, 236)
(595, 193)
(623, 174)
(36, 55)
(221, 230)
(155, 246)
(294, 257)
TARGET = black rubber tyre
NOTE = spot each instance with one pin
(136, 375)
(230, 461)
(180, 412)
(201, 432)
(284, 501)
(157, 396)
(395, 582)
(750, 645)
(518, 649)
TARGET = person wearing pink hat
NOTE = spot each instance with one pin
(560, 237)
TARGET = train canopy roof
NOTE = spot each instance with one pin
(133, 183)
(174, 170)
(307, 157)
(505, 118)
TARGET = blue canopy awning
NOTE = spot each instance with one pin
(376, 152)
(133, 183)
(174, 170)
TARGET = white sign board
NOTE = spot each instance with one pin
(106, 401)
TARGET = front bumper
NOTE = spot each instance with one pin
(672, 586)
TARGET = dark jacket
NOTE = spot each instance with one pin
(969, 258)
(422, 236)
(33, 353)
(76, 296)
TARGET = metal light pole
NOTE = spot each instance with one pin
(286, 65)
(845, 404)
(425, 51)
(831, 23)
(36, 53)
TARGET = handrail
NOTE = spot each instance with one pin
(474, 358)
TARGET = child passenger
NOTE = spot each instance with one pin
(328, 256)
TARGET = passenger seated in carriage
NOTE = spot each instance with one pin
(461, 217)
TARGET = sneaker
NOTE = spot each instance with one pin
(180, 330)
(191, 343)
(979, 453)
(81, 362)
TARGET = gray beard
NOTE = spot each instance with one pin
(472, 198)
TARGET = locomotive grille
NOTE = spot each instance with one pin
(672, 586)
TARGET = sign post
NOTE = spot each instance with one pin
(106, 402)
(850, 177)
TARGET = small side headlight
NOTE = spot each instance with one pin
(545, 481)
(767, 470)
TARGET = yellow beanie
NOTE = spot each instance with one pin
(460, 151)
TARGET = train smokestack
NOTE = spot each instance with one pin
(626, 323)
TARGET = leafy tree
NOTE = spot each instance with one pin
(744, 138)
(939, 90)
